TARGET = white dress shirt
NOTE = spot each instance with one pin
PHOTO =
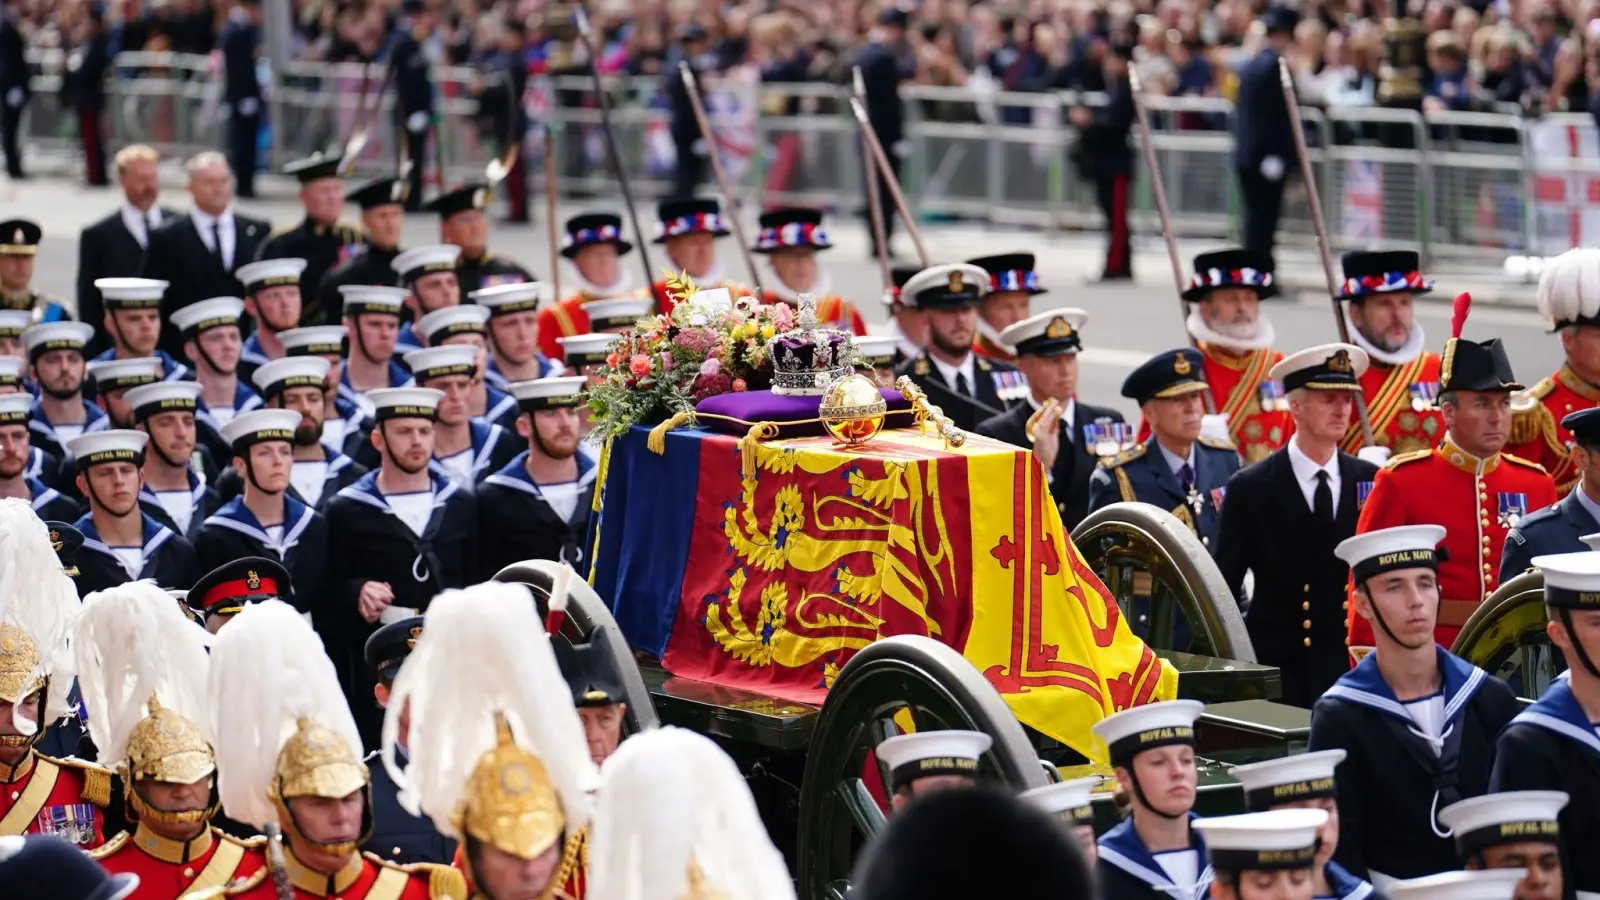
(225, 230)
(140, 224)
(1305, 475)
(968, 368)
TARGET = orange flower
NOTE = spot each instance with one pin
(639, 365)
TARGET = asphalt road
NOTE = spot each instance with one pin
(1128, 322)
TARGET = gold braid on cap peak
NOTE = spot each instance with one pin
(509, 802)
(165, 746)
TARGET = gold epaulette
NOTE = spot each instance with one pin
(1533, 418)
(231, 889)
(1126, 456)
(281, 231)
(110, 847)
(444, 882)
(1526, 463)
(1402, 458)
(350, 230)
(250, 843)
(1218, 444)
(96, 779)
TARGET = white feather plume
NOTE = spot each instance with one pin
(670, 797)
(483, 650)
(268, 669)
(132, 642)
(1569, 286)
(38, 597)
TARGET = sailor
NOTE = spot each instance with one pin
(142, 667)
(345, 422)
(273, 297)
(1552, 745)
(15, 452)
(520, 816)
(387, 567)
(1177, 468)
(462, 222)
(1236, 338)
(538, 504)
(467, 449)
(595, 245)
(876, 357)
(468, 326)
(1417, 724)
(225, 591)
(1305, 781)
(908, 325)
(688, 233)
(133, 319)
(1467, 484)
(1558, 527)
(586, 356)
(322, 239)
(1067, 436)
(1069, 802)
(13, 322)
(39, 794)
(123, 543)
(372, 320)
(1263, 854)
(382, 202)
(790, 238)
(398, 835)
(970, 387)
(210, 332)
(926, 762)
(617, 315)
(1154, 853)
(1286, 513)
(287, 746)
(1402, 385)
(1569, 297)
(113, 378)
(176, 491)
(1012, 284)
(1483, 884)
(19, 247)
(514, 333)
(597, 692)
(429, 276)
(56, 365)
(1512, 830)
(320, 469)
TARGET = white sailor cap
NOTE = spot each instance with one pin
(1388, 549)
(164, 396)
(314, 340)
(1512, 817)
(1068, 801)
(259, 426)
(405, 403)
(468, 318)
(589, 349)
(617, 312)
(1571, 580)
(112, 374)
(280, 375)
(439, 362)
(1569, 288)
(1289, 779)
(110, 445)
(876, 350)
(1592, 541)
(1132, 731)
(1327, 367)
(13, 322)
(505, 299)
(1047, 334)
(1479, 884)
(945, 287)
(1262, 841)
(11, 370)
(197, 318)
(372, 298)
(270, 273)
(15, 409)
(131, 293)
(547, 393)
(924, 753)
(42, 339)
(420, 261)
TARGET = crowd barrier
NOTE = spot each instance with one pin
(1451, 185)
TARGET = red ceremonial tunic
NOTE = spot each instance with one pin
(1537, 435)
(561, 320)
(986, 346)
(1476, 501)
(168, 869)
(1236, 384)
(1396, 422)
(63, 797)
(365, 877)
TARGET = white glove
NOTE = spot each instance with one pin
(1375, 455)
(1272, 168)
(901, 148)
(698, 148)
(249, 106)
(14, 97)
(1215, 426)
(417, 122)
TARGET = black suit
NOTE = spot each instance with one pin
(1297, 619)
(14, 92)
(962, 411)
(1075, 461)
(106, 249)
(242, 93)
(1262, 131)
(178, 255)
(882, 70)
(413, 86)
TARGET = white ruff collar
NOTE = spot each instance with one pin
(1407, 352)
(595, 292)
(1265, 334)
(773, 285)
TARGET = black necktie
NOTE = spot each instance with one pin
(1186, 477)
(962, 387)
(216, 242)
(1322, 499)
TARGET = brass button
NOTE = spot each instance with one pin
(1205, 542)
(1306, 624)
(188, 872)
(1308, 642)
(1345, 606)
(1486, 568)
(1307, 589)
(395, 852)
(1306, 605)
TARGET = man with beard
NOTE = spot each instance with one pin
(15, 453)
(513, 333)
(969, 387)
(211, 341)
(345, 423)
(388, 567)
(463, 223)
(175, 491)
(791, 238)
(429, 276)
(1402, 385)
(120, 542)
(112, 379)
(586, 355)
(688, 233)
(272, 298)
(321, 239)
(319, 469)
(595, 245)
(908, 325)
(1012, 284)
(133, 318)
(467, 449)
(372, 320)
(19, 247)
(266, 520)
(56, 365)
(1569, 296)
(468, 326)
(537, 506)
(382, 203)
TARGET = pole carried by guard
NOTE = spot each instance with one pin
(550, 208)
(874, 202)
(881, 161)
(365, 116)
(686, 72)
(1324, 249)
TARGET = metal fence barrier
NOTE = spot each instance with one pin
(1455, 186)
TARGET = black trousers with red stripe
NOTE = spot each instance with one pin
(1112, 192)
(92, 134)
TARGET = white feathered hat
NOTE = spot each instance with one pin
(38, 606)
(676, 819)
(1569, 288)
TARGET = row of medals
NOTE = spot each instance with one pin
(1424, 397)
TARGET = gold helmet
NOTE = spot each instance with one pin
(509, 802)
(38, 605)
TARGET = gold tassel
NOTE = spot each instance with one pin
(657, 441)
(97, 785)
(747, 446)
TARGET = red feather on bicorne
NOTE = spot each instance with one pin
(1458, 316)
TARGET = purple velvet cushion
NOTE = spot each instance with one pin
(751, 407)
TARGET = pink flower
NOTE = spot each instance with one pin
(782, 316)
(738, 384)
(711, 366)
(639, 365)
(667, 362)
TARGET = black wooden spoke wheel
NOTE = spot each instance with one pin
(1505, 637)
(940, 690)
(1170, 591)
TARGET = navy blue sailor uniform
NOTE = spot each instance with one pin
(1129, 871)
(44, 437)
(165, 557)
(339, 472)
(233, 532)
(50, 504)
(171, 369)
(203, 501)
(518, 522)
